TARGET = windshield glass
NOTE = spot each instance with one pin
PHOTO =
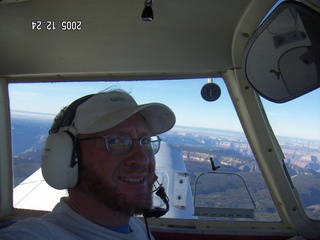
(206, 134)
(296, 124)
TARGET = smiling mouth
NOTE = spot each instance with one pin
(132, 180)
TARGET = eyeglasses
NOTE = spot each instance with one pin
(119, 144)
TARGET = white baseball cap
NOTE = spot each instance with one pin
(105, 110)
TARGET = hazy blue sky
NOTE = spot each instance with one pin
(298, 118)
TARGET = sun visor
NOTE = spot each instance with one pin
(282, 59)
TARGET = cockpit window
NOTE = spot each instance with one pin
(207, 137)
(296, 124)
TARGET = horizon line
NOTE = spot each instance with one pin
(50, 116)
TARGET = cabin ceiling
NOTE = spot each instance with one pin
(187, 38)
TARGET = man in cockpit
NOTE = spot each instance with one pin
(101, 148)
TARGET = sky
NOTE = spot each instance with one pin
(298, 118)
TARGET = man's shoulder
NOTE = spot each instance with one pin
(35, 228)
(32, 228)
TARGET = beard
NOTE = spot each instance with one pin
(109, 196)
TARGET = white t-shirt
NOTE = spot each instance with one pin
(64, 223)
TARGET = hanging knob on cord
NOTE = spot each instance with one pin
(210, 91)
(147, 13)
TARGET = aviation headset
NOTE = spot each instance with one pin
(158, 211)
(60, 154)
(60, 157)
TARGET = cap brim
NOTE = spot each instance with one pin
(158, 116)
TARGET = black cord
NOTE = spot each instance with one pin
(156, 212)
(147, 227)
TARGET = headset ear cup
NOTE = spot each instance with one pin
(56, 161)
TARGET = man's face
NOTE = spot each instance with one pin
(121, 182)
